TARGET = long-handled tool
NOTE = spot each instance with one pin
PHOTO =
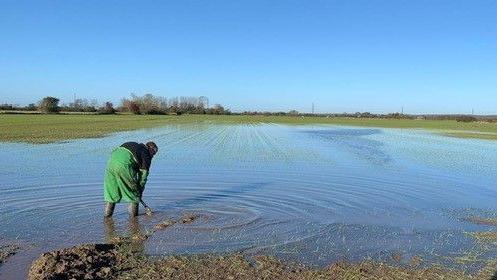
(148, 210)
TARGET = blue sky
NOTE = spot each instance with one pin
(428, 56)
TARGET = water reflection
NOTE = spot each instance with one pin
(134, 237)
(355, 141)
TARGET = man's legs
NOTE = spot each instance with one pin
(133, 209)
(127, 189)
(109, 209)
(112, 193)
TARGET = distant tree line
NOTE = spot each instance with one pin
(460, 118)
(11, 107)
(368, 115)
(334, 115)
(147, 104)
(157, 105)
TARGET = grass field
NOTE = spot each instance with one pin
(32, 128)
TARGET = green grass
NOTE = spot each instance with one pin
(52, 128)
(33, 128)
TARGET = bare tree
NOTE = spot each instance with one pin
(204, 101)
(108, 108)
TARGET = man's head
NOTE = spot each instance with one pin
(152, 148)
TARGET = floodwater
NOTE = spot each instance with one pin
(313, 194)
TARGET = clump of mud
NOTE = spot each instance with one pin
(7, 251)
(164, 224)
(185, 219)
(97, 261)
(189, 218)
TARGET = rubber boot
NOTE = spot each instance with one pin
(133, 209)
(109, 209)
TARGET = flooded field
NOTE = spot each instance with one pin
(312, 194)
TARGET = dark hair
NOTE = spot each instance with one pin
(152, 147)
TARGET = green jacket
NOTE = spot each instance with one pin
(124, 178)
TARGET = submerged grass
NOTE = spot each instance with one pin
(484, 237)
(265, 267)
(103, 261)
(40, 128)
(481, 220)
(7, 251)
(124, 259)
(485, 242)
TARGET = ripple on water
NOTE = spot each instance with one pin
(314, 193)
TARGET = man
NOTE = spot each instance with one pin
(126, 175)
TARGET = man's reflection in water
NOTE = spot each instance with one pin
(110, 231)
(133, 237)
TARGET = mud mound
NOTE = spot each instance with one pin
(97, 261)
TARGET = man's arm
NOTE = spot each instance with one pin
(132, 180)
(143, 171)
(142, 179)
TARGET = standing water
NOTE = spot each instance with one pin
(312, 194)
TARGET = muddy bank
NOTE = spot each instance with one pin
(108, 261)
